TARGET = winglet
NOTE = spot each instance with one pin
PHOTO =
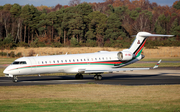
(156, 66)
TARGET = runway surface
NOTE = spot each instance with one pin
(161, 76)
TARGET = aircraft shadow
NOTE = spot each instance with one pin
(108, 77)
(86, 77)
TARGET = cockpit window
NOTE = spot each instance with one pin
(15, 62)
(19, 62)
(23, 62)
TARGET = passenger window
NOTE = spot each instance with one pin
(87, 59)
(54, 61)
(66, 61)
(103, 58)
(61, 61)
(99, 58)
(46, 62)
(57, 61)
(84, 59)
(95, 58)
(73, 60)
(69, 60)
(42, 62)
(77, 60)
(81, 60)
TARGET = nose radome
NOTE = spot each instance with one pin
(6, 72)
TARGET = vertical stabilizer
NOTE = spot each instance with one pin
(140, 40)
(138, 43)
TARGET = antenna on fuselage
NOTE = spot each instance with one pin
(37, 55)
(66, 53)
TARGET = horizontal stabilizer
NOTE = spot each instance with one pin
(155, 35)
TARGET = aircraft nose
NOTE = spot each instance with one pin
(5, 71)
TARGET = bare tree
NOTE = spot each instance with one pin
(142, 23)
(74, 2)
(6, 20)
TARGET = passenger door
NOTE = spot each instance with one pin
(33, 64)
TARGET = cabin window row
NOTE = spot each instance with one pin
(75, 60)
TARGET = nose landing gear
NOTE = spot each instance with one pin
(15, 79)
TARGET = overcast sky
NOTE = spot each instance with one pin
(65, 2)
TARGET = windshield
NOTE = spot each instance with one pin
(19, 62)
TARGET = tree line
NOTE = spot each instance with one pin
(110, 24)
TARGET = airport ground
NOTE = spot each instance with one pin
(153, 90)
(90, 97)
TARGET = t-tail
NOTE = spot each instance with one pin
(133, 54)
(140, 40)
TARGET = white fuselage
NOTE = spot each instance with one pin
(63, 63)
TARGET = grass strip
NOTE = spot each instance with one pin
(90, 97)
(41, 105)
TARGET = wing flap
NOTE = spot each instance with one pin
(117, 69)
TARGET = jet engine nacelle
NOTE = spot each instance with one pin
(125, 55)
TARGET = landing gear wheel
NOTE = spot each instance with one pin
(97, 77)
(79, 76)
(15, 79)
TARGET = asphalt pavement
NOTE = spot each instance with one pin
(160, 76)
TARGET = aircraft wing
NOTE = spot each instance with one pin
(112, 70)
(117, 70)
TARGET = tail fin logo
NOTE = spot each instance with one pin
(138, 42)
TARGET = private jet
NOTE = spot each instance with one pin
(88, 63)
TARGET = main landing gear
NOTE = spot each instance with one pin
(15, 79)
(96, 77)
(79, 76)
